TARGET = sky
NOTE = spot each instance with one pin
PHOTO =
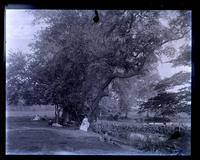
(20, 33)
(20, 30)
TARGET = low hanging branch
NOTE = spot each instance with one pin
(101, 92)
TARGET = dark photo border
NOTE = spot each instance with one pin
(102, 4)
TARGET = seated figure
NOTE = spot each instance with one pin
(85, 124)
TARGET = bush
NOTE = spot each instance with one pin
(122, 130)
(157, 119)
(145, 137)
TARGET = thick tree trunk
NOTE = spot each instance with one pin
(93, 114)
(57, 113)
(65, 116)
(95, 105)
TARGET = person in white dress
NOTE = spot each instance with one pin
(85, 124)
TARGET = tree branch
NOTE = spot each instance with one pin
(173, 39)
(107, 83)
(128, 75)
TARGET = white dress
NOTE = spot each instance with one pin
(84, 125)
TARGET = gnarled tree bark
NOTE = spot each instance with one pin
(95, 105)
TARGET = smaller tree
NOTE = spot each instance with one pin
(174, 93)
(168, 103)
(16, 77)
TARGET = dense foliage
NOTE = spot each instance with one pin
(74, 59)
(174, 93)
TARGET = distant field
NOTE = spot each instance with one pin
(24, 111)
(30, 108)
(48, 110)
(29, 113)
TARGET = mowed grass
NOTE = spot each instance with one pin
(21, 136)
(26, 136)
(34, 141)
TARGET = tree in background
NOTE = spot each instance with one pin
(127, 94)
(174, 93)
(17, 89)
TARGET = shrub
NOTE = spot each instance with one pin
(157, 119)
(121, 130)
(145, 137)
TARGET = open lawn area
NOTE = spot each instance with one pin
(25, 136)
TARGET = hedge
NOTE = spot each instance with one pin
(123, 129)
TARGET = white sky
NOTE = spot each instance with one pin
(166, 70)
(20, 32)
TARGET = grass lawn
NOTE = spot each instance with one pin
(36, 137)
